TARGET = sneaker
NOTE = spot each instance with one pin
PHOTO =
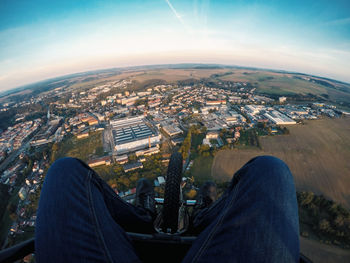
(145, 195)
(207, 195)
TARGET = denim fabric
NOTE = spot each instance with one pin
(256, 220)
(81, 219)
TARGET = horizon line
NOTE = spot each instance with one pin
(10, 91)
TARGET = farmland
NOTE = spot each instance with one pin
(268, 82)
(323, 253)
(317, 153)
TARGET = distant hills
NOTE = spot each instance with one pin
(273, 83)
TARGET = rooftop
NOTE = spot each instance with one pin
(131, 129)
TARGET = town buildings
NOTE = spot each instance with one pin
(133, 133)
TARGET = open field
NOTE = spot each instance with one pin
(322, 253)
(266, 81)
(269, 82)
(317, 153)
(201, 169)
(276, 83)
(168, 75)
(83, 149)
(100, 81)
(27, 91)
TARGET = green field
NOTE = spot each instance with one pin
(277, 83)
(201, 169)
(84, 149)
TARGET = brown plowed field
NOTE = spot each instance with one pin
(321, 253)
(318, 154)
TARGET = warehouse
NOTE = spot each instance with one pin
(279, 118)
(132, 134)
(172, 130)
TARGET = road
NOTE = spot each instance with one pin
(107, 140)
(13, 156)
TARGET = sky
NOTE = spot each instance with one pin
(43, 39)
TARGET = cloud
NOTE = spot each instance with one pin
(178, 16)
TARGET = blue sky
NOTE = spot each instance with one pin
(42, 39)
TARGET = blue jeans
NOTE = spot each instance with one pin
(81, 219)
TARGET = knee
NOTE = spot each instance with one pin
(268, 161)
(269, 167)
(65, 170)
(65, 163)
(266, 174)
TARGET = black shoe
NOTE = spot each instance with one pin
(207, 195)
(145, 195)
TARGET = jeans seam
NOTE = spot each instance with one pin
(211, 234)
(95, 220)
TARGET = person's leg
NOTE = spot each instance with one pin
(81, 219)
(256, 220)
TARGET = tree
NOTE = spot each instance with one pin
(262, 125)
(112, 182)
(186, 145)
(141, 102)
(134, 177)
(132, 157)
(206, 154)
(324, 225)
(204, 148)
(12, 211)
(118, 169)
(4, 197)
(54, 152)
(339, 221)
(124, 181)
(306, 198)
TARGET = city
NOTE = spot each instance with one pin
(133, 125)
(175, 131)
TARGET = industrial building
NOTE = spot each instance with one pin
(254, 109)
(172, 130)
(106, 160)
(129, 101)
(132, 166)
(147, 152)
(121, 159)
(132, 134)
(279, 118)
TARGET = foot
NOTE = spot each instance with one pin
(145, 195)
(207, 195)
